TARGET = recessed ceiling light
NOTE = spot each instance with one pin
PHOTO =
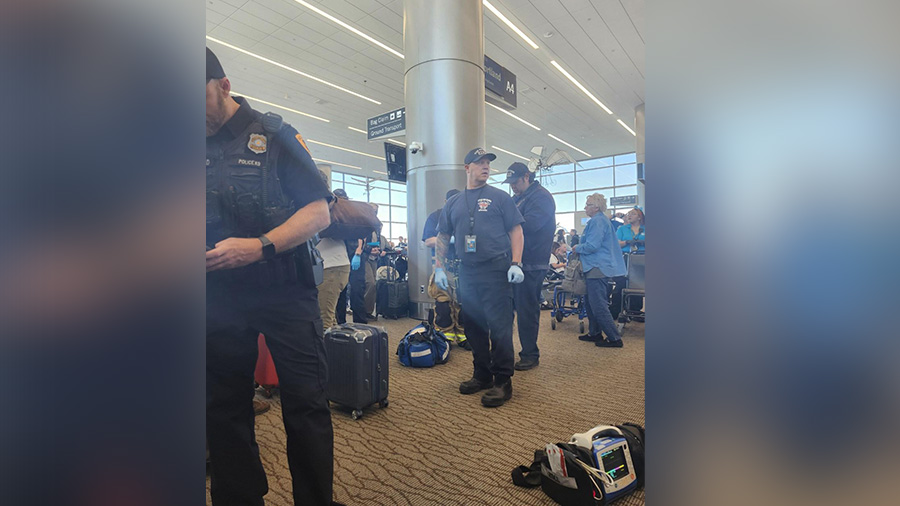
(626, 127)
(509, 153)
(357, 130)
(337, 163)
(504, 111)
(585, 153)
(345, 149)
(379, 172)
(348, 27)
(279, 106)
(304, 74)
(580, 87)
(509, 24)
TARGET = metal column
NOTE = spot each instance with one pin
(443, 43)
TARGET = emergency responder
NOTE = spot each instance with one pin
(487, 229)
(539, 210)
(264, 201)
(447, 316)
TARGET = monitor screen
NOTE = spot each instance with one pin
(396, 161)
(614, 463)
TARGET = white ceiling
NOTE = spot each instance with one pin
(599, 42)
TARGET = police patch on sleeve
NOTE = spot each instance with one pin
(303, 143)
(257, 143)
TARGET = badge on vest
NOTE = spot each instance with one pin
(257, 143)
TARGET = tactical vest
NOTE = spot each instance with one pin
(244, 198)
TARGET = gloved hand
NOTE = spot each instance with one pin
(440, 279)
(354, 264)
(515, 274)
(452, 239)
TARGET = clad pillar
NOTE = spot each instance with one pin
(639, 150)
(443, 42)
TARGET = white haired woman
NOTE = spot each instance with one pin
(601, 259)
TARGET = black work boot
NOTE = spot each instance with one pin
(474, 385)
(606, 343)
(593, 338)
(526, 364)
(497, 395)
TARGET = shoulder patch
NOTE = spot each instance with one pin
(302, 143)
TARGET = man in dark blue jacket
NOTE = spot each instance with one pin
(537, 206)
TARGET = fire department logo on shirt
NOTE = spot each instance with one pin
(483, 204)
(257, 143)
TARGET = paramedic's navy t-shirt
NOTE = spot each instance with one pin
(495, 215)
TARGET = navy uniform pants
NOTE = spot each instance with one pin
(528, 312)
(486, 298)
(234, 320)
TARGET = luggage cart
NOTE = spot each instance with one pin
(565, 305)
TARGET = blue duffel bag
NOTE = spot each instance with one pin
(423, 347)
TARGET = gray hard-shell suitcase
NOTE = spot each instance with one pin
(357, 366)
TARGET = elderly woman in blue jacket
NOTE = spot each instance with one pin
(601, 260)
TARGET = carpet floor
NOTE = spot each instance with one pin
(434, 446)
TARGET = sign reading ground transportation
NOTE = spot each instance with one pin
(625, 200)
(389, 124)
(500, 84)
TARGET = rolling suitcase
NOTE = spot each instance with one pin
(392, 300)
(357, 366)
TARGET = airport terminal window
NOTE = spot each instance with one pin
(558, 183)
(565, 202)
(379, 196)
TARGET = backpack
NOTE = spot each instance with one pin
(423, 346)
(574, 279)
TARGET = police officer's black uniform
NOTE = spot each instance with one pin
(256, 179)
(484, 290)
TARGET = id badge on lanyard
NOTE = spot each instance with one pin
(470, 244)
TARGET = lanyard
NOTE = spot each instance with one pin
(472, 209)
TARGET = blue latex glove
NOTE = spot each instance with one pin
(515, 274)
(354, 264)
(440, 279)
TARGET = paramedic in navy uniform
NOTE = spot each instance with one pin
(260, 284)
(487, 230)
(539, 211)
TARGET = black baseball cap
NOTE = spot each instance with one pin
(214, 69)
(477, 154)
(515, 171)
(451, 193)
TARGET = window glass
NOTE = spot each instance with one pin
(337, 176)
(497, 179)
(626, 174)
(596, 178)
(559, 169)
(565, 221)
(398, 198)
(377, 183)
(386, 230)
(396, 186)
(565, 202)
(379, 196)
(559, 182)
(626, 158)
(595, 163)
(384, 214)
(356, 192)
(398, 214)
(397, 230)
(622, 191)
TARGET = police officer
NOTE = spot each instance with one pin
(487, 229)
(539, 210)
(265, 200)
(447, 317)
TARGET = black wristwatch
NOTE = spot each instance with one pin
(268, 247)
(517, 264)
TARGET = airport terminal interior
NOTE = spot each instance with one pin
(389, 96)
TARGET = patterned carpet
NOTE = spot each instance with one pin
(434, 446)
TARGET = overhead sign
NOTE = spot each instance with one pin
(389, 124)
(500, 84)
(626, 200)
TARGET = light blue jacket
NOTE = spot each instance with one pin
(599, 247)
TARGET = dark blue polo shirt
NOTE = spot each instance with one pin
(494, 214)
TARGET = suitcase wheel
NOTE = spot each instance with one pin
(383, 404)
(356, 414)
